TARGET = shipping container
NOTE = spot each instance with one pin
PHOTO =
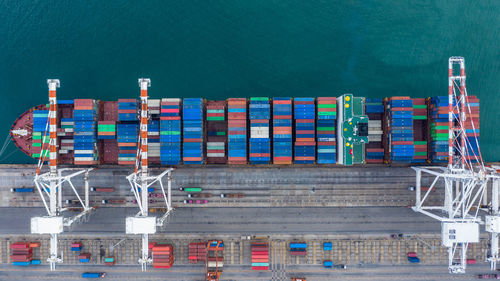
(216, 132)
(326, 120)
(170, 131)
(193, 131)
(305, 131)
(260, 142)
(237, 130)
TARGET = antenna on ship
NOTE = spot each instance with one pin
(465, 180)
(140, 181)
(50, 184)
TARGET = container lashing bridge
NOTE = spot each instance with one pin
(140, 181)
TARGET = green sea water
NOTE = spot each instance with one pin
(244, 48)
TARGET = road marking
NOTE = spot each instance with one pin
(399, 252)
(339, 247)
(241, 252)
(381, 256)
(232, 252)
(314, 252)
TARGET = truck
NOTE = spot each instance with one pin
(191, 189)
(488, 276)
(195, 201)
(22, 189)
(93, 274)
(199, 195)
(232, 195)
(102, 189)
(113, 201)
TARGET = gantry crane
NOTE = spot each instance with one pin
(50, 184)
(140, 180)
(465, 182)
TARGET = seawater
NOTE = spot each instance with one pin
(221, 49)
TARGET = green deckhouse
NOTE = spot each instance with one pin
(352, 124)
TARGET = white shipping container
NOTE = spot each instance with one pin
(67, 141)
(153, 133)
(216, 144)
(215, 154)
(69, 130)
(84, 159)
(375, 138)
(63, 151)
(375, 132)
(171, 100)
(374, 123)
(84, 151)
(259, 132)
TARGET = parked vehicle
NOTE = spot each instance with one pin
(328, 264)
(340, 266)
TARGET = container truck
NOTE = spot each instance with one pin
(93, 274)
(200, 195)
(232, 195)
(191, 189)
(22, 189)
(102, 189)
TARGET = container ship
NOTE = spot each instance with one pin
(345, 130)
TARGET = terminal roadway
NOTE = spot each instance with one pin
(272, 220)
(261, 186)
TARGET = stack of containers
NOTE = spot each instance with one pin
(127, 131)
(163, 255)
(84, 257)
(260, 144)
(305, 144)
(216, 132)
(237, 130)
(170, 131)
(21, 253)
(76, 247)
(154, 141)
(472, 132)
(260, 256)
(438, 109)
(106, 130)
(282, 131)
(192, 117)
(127, 142)
(401, 134)
(326, 135)
(84, 115)
(67, 126)
(197, 252)
(154, 107)
(374, 148)
(420, 130)
(40, 120)
(127, 110)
